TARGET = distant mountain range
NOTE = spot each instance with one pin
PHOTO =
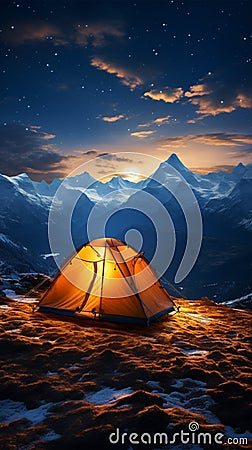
(224, 268)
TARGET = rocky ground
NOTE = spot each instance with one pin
(68, 385)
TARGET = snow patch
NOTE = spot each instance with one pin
(48, 255)
(194, 353)
(198, 317)
(107, 395)
(6, 240)
(51, 436)
(247, 223)
(19, 298)
(10, 293)
(190, 395)
(10, 411)
(14, 330)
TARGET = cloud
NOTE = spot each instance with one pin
(108, 163)
(244, 101)
(89, 153)
(208, 107)
(142, 134)
(241, 153)
(126, 77)
(98, 34)
(167, 95)
(25, 32)
(42, 135)
(114, 157)
(130, 176)
(158, 121)
(29, 150)
(107, 172)
(198, 90)
(113, 118)
(214, 97)
(212, 139)
(219, 168)
(162, 120)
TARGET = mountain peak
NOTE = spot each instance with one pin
(175, 162)
(21, 176)
(239, 170)
(239, 166)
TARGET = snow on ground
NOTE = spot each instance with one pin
(19, 298)
(190, 395)
(107, 395)
(48, 255)
(198, 317)
(50, 436)
(79, 381)
(11, 294)
(194, 353)
(11, 410)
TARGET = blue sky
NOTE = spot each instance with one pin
(82, 78)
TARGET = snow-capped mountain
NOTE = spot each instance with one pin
(223, 269)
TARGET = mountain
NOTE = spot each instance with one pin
(223, 269)
(24, 222)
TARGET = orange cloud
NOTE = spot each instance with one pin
(126, 77)
(158, 121)
(212, 139)
(36, 31)
(198, 90)
(43, 135)
(210, 102)
(142, 134)
(113, 118)
(167, 95)
(208, 107)
(244, 101)
(220, 168)
(162, 120)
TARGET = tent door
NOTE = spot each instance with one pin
(90, 287)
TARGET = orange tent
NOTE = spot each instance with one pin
(110, 281)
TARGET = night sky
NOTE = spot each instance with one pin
(79, 79)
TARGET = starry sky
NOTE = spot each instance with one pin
(80, 79)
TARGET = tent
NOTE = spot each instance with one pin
(107, 280)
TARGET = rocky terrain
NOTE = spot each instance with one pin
(70, 385)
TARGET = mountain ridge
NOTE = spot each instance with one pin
(224, 200)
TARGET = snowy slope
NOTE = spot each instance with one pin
(224, 199)
(242, 302)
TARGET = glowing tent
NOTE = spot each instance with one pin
(110, 281)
